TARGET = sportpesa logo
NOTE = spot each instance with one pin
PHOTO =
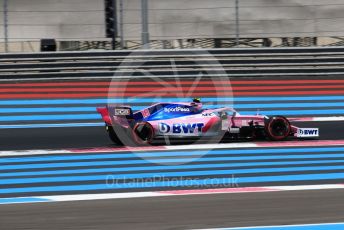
(176, 109)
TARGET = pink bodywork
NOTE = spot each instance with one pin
(208, 118)
(233, 119)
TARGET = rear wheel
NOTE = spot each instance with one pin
(277, 128)
(113, 136)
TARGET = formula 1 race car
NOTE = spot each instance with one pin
(192, 120)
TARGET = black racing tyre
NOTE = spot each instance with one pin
(143, 133)
(113, 136)
(277, 128)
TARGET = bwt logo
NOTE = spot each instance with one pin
(180, 128)
(308, 132)
(176, 109)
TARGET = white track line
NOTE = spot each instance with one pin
(32, 152)
(60, 125)
(305, 143)
(339, 118)
(276, 226)
(104, 196)
(316, 119)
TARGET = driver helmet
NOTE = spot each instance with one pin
(196, 103)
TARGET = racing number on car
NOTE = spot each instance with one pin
(145, 113)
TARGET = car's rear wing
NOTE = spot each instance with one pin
(110, 112)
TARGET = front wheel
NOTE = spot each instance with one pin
(143, 133)
(277, 128)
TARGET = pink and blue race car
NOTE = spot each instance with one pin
(191, 120)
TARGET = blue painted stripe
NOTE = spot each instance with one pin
(232, 152)
(47, 109)
(22, 200)
(287, 98)
(326, 226)
(286, 105)
(297, 112)
(237, 106)
(164, 175)
(176, 183)
(173, 160)
(165, 167)
(151, 100)
(58, 117)
(273, 112)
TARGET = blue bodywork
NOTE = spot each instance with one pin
(164, 111)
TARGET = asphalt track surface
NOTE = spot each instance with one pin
(180, 212)
(84, 137)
